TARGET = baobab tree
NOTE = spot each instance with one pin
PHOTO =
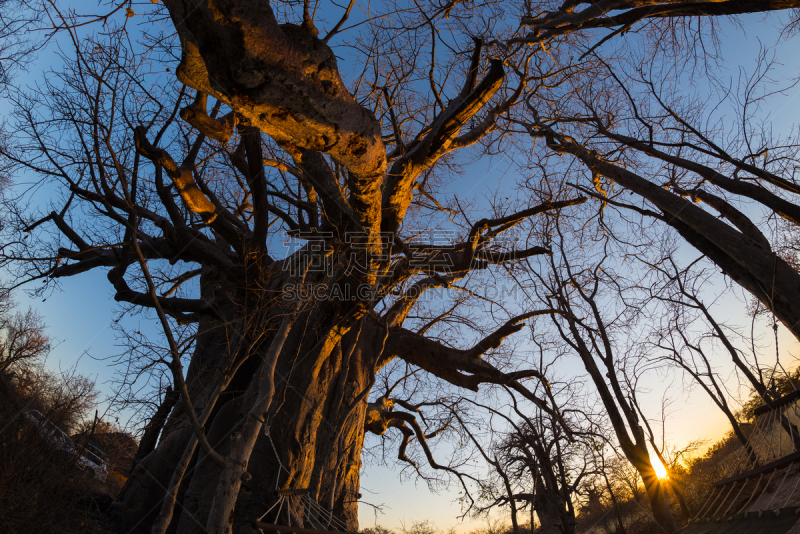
(181, 195)
(538, 465)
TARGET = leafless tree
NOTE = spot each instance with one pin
(539, 465)
(577, 16)
(23, 342)
(688, 349)
(685, 347)
(187, 217)
(18, 22)
(594, 318)
(692, 174)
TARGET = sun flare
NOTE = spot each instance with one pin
(661, 472)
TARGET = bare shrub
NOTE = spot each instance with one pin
(41, 487)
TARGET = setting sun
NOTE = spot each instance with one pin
(661, 472)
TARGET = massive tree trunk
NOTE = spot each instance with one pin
(310, 440)
(314, 427)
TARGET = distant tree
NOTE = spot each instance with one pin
(66, 398)
(419, 527)
(377, 529)
(23, 342)
(536, 463)
(780, 382)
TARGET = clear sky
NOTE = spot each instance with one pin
(80, 318)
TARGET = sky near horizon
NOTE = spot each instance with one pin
(80, 318)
